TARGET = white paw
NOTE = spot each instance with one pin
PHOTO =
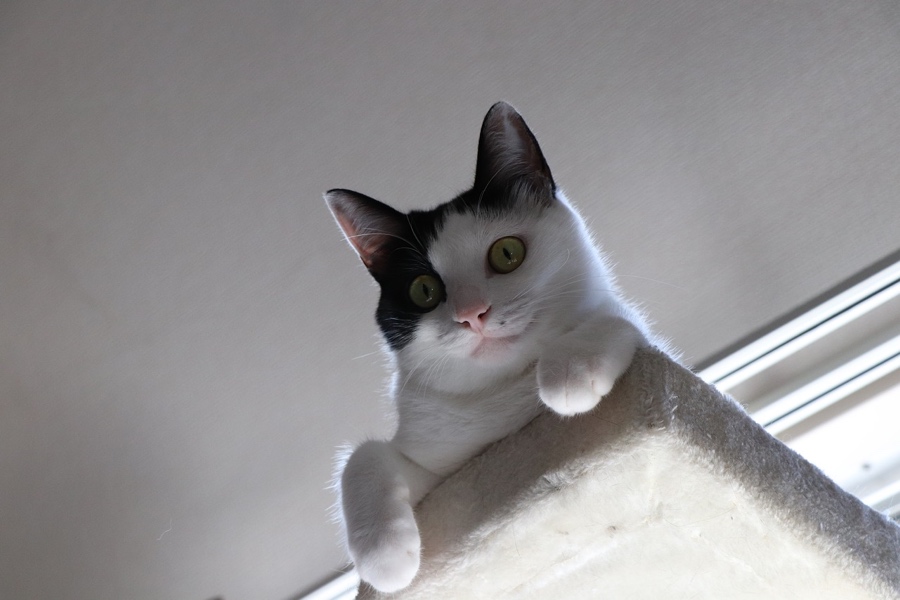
(388, 558)
(574, 384)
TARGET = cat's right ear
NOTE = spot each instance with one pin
(370, 226)
(508, 150)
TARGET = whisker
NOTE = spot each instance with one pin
(667, 283)
(409, 377)
(409, 245)
(568, 255)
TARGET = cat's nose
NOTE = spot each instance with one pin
(473, 316)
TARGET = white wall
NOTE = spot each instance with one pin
(184, 336)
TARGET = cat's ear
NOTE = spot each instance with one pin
(507, 150)
(370, 226)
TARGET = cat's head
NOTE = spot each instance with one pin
(477, 282)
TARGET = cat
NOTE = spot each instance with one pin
(493, 306)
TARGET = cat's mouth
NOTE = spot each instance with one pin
(492, 346)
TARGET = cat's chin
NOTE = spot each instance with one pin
(501, 355)
(497, 350)
(506, 351)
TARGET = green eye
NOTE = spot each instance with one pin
(426, 291)
(506, 254)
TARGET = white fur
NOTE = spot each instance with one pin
(456, 392)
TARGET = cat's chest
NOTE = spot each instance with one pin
(440, 433)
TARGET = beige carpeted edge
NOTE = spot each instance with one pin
(656, 404)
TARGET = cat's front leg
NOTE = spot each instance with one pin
(580, 367)
(379, 486)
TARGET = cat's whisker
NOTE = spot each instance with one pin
(485, 189)
(409, 376)
(417, 250)
(534, 285)
(659, 281)
(548, 276)
(413, 229)
(445, 360)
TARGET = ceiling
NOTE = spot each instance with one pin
(184, 335)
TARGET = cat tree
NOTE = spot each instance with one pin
(668, 489)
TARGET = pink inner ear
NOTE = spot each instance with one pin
(369, 225)
(360, 241)
(367, 243)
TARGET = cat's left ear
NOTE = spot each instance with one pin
(371, 227)
(507, 150)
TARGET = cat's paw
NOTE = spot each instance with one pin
(571, 385)
(388, 558)
(575, 371)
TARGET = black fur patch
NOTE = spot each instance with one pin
(396, 315)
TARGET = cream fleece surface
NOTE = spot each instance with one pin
(666, 490)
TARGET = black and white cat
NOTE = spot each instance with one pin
(493, 305)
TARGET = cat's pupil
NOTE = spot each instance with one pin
(507, 254)
(425, 292)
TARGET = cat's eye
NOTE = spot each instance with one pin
(426, 291)
(506, 254)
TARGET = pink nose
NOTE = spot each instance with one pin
(473, 317)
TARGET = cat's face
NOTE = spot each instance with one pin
(504, 278)
(475, 284)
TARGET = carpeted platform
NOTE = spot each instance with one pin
(666, 490)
